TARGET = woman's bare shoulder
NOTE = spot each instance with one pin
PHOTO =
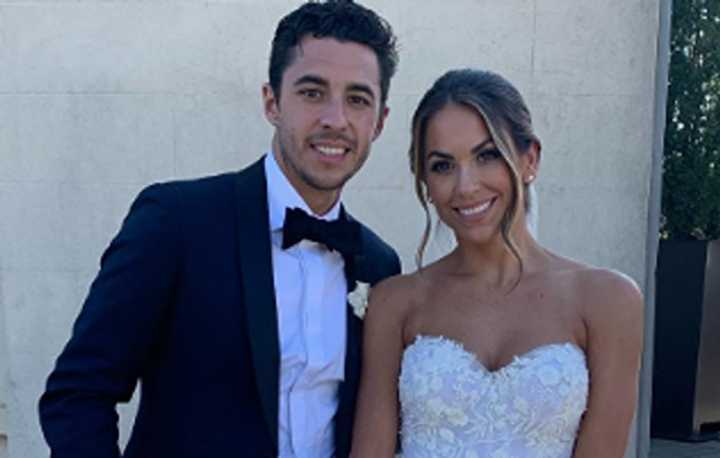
(392, 297)
(608, 286)
(596, 282)
(608, 298)
(401, 294)
(401, 289)
(596, 290)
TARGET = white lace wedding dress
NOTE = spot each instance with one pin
(453, 407)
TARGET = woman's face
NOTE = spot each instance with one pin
(466, 176)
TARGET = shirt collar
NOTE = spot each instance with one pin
(281, 195)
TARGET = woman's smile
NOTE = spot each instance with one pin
(476, 211)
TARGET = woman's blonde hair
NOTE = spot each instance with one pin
(507, 119)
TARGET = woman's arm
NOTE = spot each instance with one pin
(614, 323)
(376, 418)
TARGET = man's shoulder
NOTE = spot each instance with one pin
(378, 255)
(373, 243)
(201, 197)
(220, 186)
(191, 185)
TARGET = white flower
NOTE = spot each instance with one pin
(549, 376)
(358, 298)
(501, 454)
(446, 434)
(456, 416)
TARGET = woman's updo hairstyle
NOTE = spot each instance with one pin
(507, 119)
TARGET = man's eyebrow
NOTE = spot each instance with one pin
(364, 88)
(310, 79)
(320, 81)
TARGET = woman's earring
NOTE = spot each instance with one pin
(529, 179)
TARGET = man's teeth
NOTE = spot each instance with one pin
(330, 150)
(475, 210)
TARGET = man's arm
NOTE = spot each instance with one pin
(114, 332)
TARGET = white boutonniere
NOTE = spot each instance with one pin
(358, 298)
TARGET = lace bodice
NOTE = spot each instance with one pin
(453, 407)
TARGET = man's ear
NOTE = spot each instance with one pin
(271, 104)
(380, 122)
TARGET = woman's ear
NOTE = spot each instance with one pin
(531, 162)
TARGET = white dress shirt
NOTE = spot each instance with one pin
(310, 293)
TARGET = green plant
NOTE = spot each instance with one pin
(691, 169)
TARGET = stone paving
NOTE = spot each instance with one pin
(660, 448)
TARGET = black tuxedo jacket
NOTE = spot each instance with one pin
(184, 304)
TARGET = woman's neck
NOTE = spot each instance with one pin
(494, 264)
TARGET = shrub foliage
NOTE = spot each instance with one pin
(691, 168)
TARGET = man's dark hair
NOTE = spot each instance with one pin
(342, 20)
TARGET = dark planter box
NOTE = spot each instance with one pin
(686, 366)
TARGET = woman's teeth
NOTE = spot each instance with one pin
(475, 210)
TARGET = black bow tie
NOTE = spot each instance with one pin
(340, 235)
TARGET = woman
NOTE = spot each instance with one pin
(501, 348)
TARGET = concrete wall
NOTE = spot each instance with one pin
(100, 98)
(4, 378)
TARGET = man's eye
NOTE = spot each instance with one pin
(310, 93)
(440, 167)
(359, 100)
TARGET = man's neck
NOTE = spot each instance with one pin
(318, 200)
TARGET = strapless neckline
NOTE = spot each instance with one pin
(516, 359)
(452, 406)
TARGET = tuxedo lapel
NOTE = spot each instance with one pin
(354, 327)
(353, 272)
(348, 389)
(352, 354)
(352, 262)
(259, 293)
(347, 392)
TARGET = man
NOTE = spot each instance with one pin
(224, 300)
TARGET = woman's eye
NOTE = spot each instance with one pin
(440, 167)
(488, 155)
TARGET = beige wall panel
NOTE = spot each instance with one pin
(100, 98)
(99, 138)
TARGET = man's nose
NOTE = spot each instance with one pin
(333, 115)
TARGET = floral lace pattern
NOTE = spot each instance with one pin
(454, 407)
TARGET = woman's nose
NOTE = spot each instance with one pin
(468, 180)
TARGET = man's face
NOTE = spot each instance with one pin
(326, 116)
